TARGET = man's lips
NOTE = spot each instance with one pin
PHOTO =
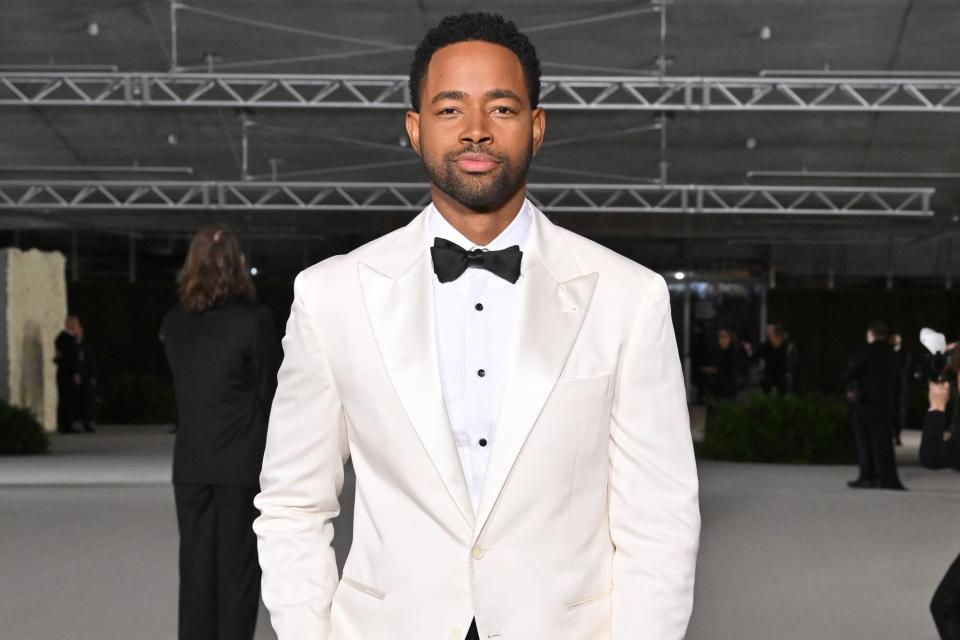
(476, 162)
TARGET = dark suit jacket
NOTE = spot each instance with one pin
(67, 359)
(224, 363)
(874, 374)
(935, 452)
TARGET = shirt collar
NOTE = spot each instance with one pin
(516, 233)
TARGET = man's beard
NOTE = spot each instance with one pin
(485, 192)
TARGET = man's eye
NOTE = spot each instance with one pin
(503, 110)
(446, 111)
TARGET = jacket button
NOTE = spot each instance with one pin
(477, 552)
(456, 633)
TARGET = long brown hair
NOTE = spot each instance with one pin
(214, 270)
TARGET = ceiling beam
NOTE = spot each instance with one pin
(574, 93)
(134, 195)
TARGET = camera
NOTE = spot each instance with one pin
(938, 363)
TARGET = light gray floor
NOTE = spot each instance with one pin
(88, 547)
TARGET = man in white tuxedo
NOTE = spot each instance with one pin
(509, 392)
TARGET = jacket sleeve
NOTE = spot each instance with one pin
(654, 505)
(267, 358)
(935, 452)
(300, 483)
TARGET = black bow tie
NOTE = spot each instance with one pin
(450, 260)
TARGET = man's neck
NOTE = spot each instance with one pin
(479, 228)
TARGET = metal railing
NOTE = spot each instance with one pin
(410, 197)
(577, 93)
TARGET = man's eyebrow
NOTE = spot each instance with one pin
(449, 95)
(497, 94)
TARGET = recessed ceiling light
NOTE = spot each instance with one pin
(766, 32)
(93, 28)
(173, 139)
(679, 275)
(751, 143)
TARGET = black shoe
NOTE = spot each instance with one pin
(893, 486)
(89, 429)
(860, 483)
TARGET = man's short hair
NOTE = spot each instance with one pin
(466, 27)
(879, 329)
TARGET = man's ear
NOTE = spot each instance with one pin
(539, 124)
(413, 130)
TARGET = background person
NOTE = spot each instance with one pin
(68, 373)
(905, 364)
(223, 354)
(873, 380)
(87, 372)
(774, 352)
(940, 449)
(726, 368)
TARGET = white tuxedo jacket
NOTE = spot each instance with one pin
(588, 523)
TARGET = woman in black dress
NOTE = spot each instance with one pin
(224, 357)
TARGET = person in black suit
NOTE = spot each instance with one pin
(775, 354)
(68, 373)
(224, 357)
(938, 450)
(726, 367)
(87, 371)
(873, 378)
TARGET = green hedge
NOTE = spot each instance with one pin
(136, 399)
(20, 433)
(807, 428)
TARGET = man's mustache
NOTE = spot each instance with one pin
(453, 155)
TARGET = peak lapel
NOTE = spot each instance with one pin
(401, 314)
(551, 315)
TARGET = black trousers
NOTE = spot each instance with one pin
(66, 400)
(219, 570)
(945, 605)
(873, 431)
(83, 401)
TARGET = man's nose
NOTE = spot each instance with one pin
(476, 128)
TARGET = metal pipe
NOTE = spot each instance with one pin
(687, 308)
(94, 169)
(112, 68)
(245, 148)
(922, 175)
(662, 61)
(890, 264)
(948, 280)
(663, 166)
(74, 257)
(764, 315)
(132, 254)
(828, 73)
(174, 56)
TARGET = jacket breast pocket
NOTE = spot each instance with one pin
(573, 390)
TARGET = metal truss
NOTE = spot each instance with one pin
(410, 197)
(577, 93)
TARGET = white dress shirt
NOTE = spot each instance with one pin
(476, 318)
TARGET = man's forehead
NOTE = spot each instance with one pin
(474, 68)
(470, 55)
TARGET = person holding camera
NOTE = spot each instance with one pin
(938, 450)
